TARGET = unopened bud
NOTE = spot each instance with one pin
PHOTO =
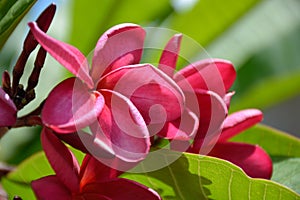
(38, 65)
(43, 21)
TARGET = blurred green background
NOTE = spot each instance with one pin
(261, 38)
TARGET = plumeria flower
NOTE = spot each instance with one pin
(8, 113)
(251, 158)
(91, 180)
(213, 98)
(115, 97)
(205, 84)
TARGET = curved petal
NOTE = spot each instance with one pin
(8, 113)
(67, 55)
(70, 106)
(238, 122)
(157, 96)
(210, 74)
(121, 129)
(252, 159)
(61, 159)
(183, 128)
(119, 41)
(49, 188)
(168, 59)
(120, 189)
(213, 111)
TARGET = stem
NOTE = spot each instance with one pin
(32, 120)
(3, 130)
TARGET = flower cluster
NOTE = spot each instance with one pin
(115, 109)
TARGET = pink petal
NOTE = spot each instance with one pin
(252, 159)
(168, 59)
(121, 130)
(238, 122)
(213, 111)
(93, 170)
(120, 189)
(8, 112)
(210, 74)
(156, 96)
(61, 159)
(183, 128)
(71, 106)
(67, 55)
(49, 188)
(119, 41)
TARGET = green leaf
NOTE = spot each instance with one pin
(91, 19)
(202, 177)
(287, 172)
(11, 13)
(275, 142)
(189, 177)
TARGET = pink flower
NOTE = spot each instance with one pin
(91, 180)
(211, 80)
(8, 112)
(114, 97)
(251, 158)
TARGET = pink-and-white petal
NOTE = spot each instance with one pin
(61, 159)
(251, 158)
(121, 130)
(210, 74)
(157, 96)
(8, 110)
(119, 46)
(49, 188)
(239, 121)
(168, 59)
(71, 106)
(67, 55)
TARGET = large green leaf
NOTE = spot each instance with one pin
(287, 172)
(92, 18)
(11, 12)
(275, 142)
(189, 177)
(197, 177)
(282, 147)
